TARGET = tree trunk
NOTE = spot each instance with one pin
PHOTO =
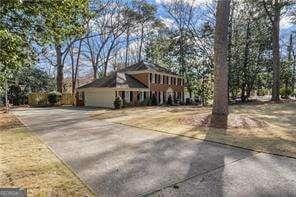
(141, 44)
(95, 73)
(75, 69)
(6, 96)
(290, 58)
(276, 54)
(60, 68)
(246, 62)
(220, 105)
(294, 72)
(127, 46)
(231, 21)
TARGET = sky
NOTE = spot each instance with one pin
(286, 25)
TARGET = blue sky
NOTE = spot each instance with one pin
(286, 25)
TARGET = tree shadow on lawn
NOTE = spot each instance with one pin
(283, 115)
(153, 165)
(284, 146)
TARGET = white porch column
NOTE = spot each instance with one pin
(127, 96)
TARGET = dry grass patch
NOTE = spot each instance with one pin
(268, 127)
(27, 163)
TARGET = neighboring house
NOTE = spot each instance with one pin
(134, 84)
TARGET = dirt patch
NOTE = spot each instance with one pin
(7, 121)
(234, 121)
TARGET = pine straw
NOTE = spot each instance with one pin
(26, 162)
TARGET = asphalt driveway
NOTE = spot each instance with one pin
(118, 160)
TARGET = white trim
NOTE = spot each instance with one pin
(113, 89)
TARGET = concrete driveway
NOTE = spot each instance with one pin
(117, 160)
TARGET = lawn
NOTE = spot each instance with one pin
(269, 128)
(26, 162)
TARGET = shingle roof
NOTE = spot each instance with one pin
(146, 66)
(116, 80)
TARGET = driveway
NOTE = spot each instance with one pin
(118, 160)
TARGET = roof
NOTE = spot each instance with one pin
(147, 66)
(116, 80)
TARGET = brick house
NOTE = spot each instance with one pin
(134, 84)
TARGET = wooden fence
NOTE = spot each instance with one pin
(40, 99)
(67, 99)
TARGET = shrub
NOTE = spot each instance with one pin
(146, 102)
(285, 92)
(54, 97)
(188, 101)
(126, 104)
(262, 92)
(153, 100)
(117, 103)
(170, 100)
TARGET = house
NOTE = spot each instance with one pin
(134, 84)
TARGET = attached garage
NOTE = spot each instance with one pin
(99, 97)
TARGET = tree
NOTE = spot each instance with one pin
(61, 21)
(249, 59)
(15, 31)
(75, 53)
(220, 105)
(26, 80)
(273, 10)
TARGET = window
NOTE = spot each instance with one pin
(163, 97)
(131, 96)
(173, 80)
(81, 96)
(122, 95)
(145, 95)
(158, 94)
(150, 77)
(155, 78)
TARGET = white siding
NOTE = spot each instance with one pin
(99, 97)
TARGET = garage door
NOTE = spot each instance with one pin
(100, 99)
